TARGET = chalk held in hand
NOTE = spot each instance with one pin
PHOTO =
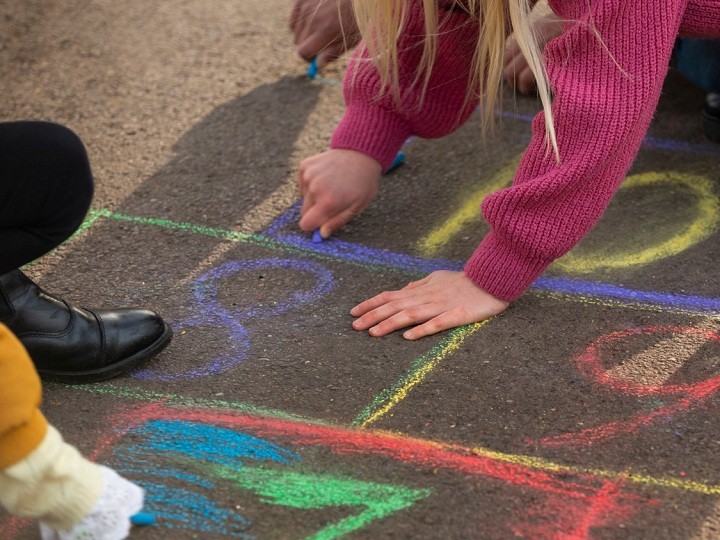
(143, 518)
(399, 160)
(312, 70)
(317, 237)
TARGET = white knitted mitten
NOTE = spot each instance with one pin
(110, 518)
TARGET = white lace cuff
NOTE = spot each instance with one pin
(110, 518)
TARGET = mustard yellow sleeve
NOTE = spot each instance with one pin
(55, 484)
(22, 425)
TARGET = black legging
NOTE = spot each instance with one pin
(45, 189)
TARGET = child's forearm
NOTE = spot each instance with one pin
(376, 124)
(373, 129)
(606, 71)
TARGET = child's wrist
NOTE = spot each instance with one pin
(54, 484)
(373, 131)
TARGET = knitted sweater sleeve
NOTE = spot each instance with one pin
(22, 425)
(606, 72)
(375, 124)
(701, 19)
(40, 475)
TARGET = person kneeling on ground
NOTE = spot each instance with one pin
(45, 191)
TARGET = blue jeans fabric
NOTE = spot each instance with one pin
(699, 61)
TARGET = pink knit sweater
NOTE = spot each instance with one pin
(602, 107)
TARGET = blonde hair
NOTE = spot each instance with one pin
(381, 23)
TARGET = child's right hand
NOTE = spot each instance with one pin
(516, 69)
(323, 28)
(110, 518)
(336, 186)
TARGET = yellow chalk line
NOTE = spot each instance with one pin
(546, 465)
(469, 212)
(703, 225)
(421, 367)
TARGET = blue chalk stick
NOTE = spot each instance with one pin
(143, 518)
(312, 68)
(317, 238)
(399, 159)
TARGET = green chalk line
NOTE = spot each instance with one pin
(89, 221)
(308, 491)
(232, 236)
(177, 400)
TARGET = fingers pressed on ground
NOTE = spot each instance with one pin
(385, 311)
(406, 317)
(415, 284)
(376, 301)
(444, 321)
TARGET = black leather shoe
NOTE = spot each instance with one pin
(76, 345)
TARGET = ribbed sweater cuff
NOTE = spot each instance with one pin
(18, 443)
(500, 271)
(54, 484)
(375, 131)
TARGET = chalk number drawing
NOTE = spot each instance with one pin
(704, 222)
(212, 314)
(665, 400)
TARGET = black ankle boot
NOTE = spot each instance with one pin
(76, 345)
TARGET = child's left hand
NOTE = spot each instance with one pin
(442, 300)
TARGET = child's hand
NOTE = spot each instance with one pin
(319, 25)
(516, 70)
(110, 519)
(440, 301)
(335, 186)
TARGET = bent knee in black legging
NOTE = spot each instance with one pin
(46, 187)
(68, 173)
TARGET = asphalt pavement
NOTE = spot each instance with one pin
(587, 410)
